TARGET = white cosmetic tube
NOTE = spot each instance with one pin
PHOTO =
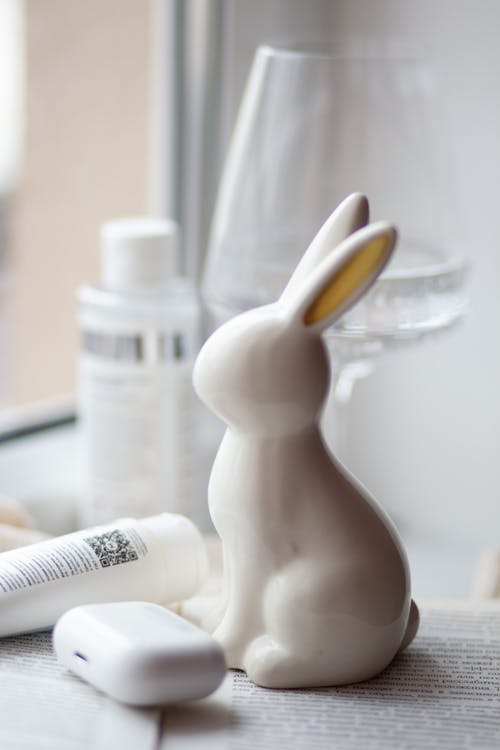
(161, 559)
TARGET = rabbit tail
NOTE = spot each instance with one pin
(412, 626)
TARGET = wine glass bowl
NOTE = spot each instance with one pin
(312, 128)
(423, 293)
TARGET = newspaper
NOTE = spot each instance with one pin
(44, 706)
(442, 692)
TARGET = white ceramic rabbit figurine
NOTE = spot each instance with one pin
(316, 582)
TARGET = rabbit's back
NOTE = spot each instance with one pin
(286, 503)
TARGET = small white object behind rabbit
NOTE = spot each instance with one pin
(316, 582)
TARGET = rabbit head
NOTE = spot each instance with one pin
(266, 371)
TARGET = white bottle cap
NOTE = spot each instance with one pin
(185, 554)
(138, 253)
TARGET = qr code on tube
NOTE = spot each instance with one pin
(112, 548)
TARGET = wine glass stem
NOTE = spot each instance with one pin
(336, 414)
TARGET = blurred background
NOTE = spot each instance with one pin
(125, 107)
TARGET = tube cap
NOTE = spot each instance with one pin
(186, 556)
(138, 253)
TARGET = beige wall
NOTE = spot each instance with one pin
(85, 160)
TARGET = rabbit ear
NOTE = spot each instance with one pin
(350, 215)
(343, 277)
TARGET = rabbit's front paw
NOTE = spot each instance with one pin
(270, 665)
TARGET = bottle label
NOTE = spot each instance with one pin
(127, 427)
(125, 348)
(70, 556)
(140, 421)
(151, 348)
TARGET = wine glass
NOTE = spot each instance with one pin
(312, 128)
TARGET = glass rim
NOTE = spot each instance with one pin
(349, 50)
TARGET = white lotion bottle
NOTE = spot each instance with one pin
(138, 411)
(161, 559)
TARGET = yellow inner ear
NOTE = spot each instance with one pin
(351, 276)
